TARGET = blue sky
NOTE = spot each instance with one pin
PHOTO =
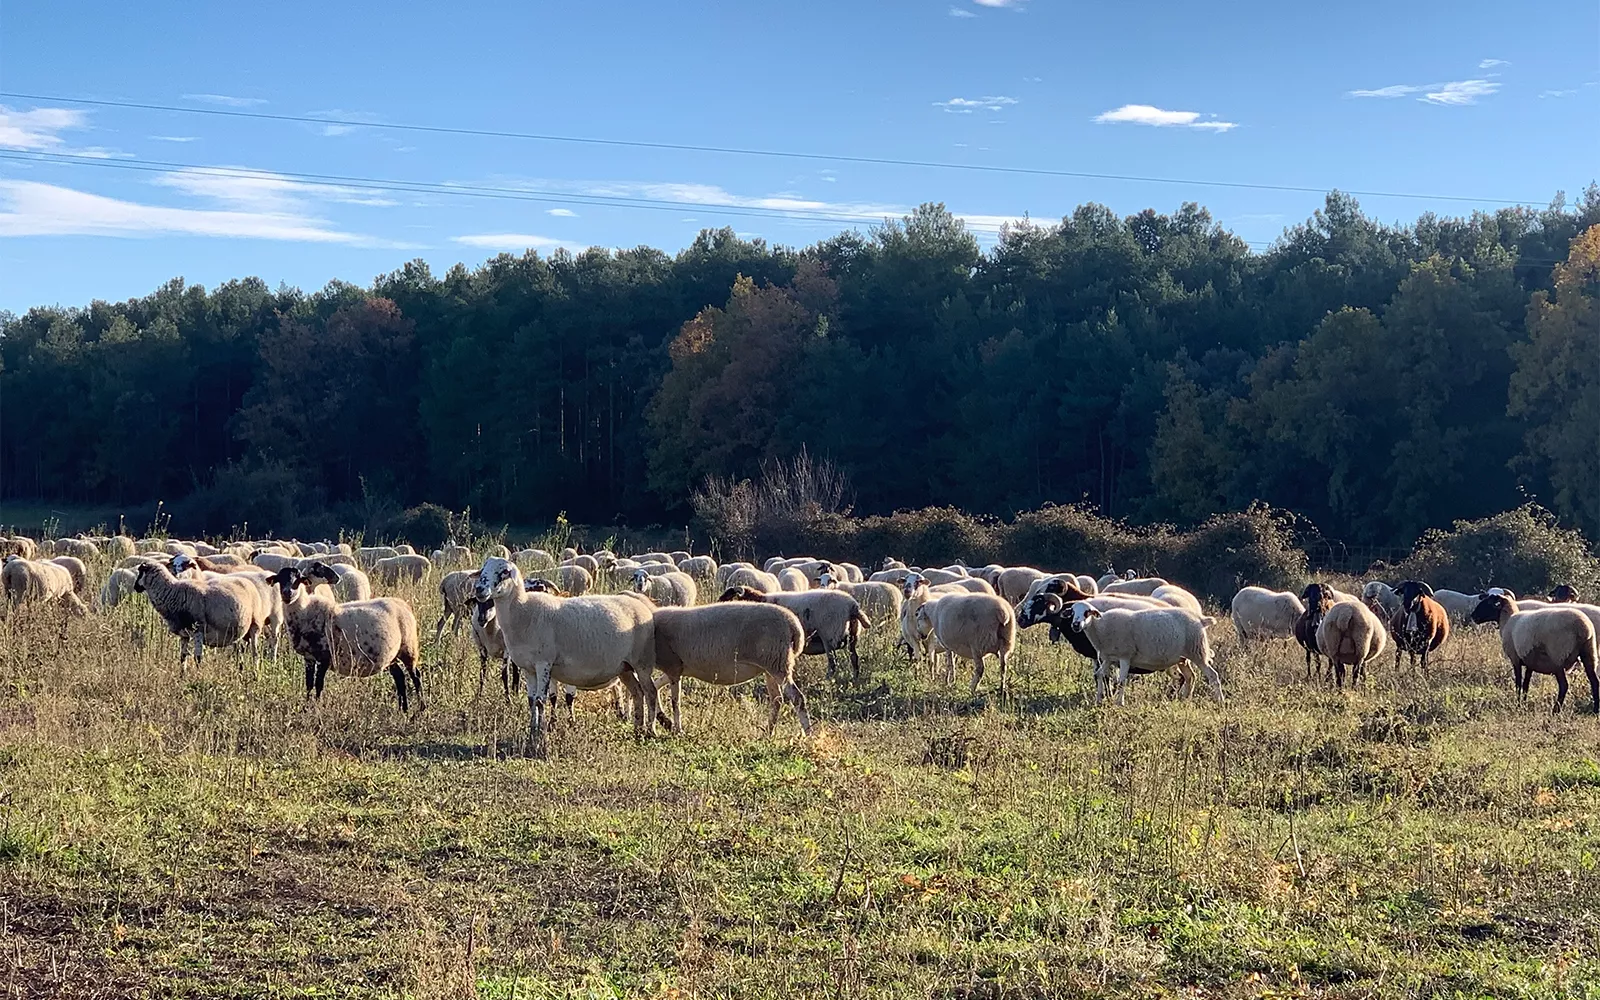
(1469, 98)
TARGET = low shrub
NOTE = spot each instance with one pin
(1523, 549)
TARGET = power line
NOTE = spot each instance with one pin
(741, 151)
(392, 186)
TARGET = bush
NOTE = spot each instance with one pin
(266, 495)
(1523, 549)
(427, 527)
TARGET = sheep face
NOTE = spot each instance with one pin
(497, 576)
(482, 613)
(1505, 592)
(1082, 615)
(912, 582)
(1564, 594)
(286, 580)
(1492, 608)
(321, 571)
(1317, 595)
(1410, 590)
(825, 579)
(1040, 609)
(742, 593)
(639, 578)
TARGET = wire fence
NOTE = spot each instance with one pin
(1329, 556)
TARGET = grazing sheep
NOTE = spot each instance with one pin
(1152, 640)
(1457, 605)
(727, 570)
(702, 568)
(895, 576)
(755, 579)
(78, 571)
(451, 555)
(353, 584)
(455, 590)
(1566, 593)
(391, 570)
(78, 548)
(354, 639)
(1420, 626)
(268, 603)
(19, 545)
(498, 550)
(273, 561)
(966, 584)
(590, 564)
(535, 559)
(118, 585)
(832, 619)
(878, 600)
(573, 579)
(678, 556)
(1179, 598)
(971, 626)
(215, 611)
(585, 642)
(727, 644)
(1013, 583)
(368, 555)
(1382, 599)
(1145, 585)
(1259, 613)
(792, 580)
(1548, 641)
(1349, 634)
(119, 547)
(30, 581)
(891, 563)
(852, 572)
(669, 590)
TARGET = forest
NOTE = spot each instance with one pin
(1376, 379)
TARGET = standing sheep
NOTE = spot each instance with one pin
(972, 626)
(1259, 613)
(832, 620)
(1349, 634)
(354, 639)
(726, 644)
(455, 591)
(671, 589)
(392, 569)
(29, 581)
(1420, 626)
(215, 611)
(1548, 641)
(1147, 641)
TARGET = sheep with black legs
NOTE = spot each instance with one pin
(586, 642)
(730, 643)
(832, 620)
(354, 638)
(1420, 626)
(268, 601)
(216, 611)
(1548, 641)
(1150, 640)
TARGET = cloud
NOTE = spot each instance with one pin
(1012, 4)
(514, 241)
(174, 138)
(1492, 63)
(28, 208)
(713, 196)
(562, 213)
(1456, 92)
(1557, 93)
(225, 100)
(348, 121)
(38, 129)
(1145, 114)
(967, 105)
(961, 12)
(262, 191)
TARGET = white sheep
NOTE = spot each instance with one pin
(1145, 585)
(1259, 613)
(1457, 605)
(585, 642)
(573, 579)
(1381, 598)
(118, 585)
(216, 611)
(455, 593)
(938, 576)
(79, 548)
(726, 644)
(832, 619)
(589, 563)
(534, 560)
(354, 638)
(1012, 582)
(1350, 635)
(19, 545)
(971, 626)
(1148, 641)
(793, 581)
(78, 571)
(1179, 598)
(368, 555)
(726, 570)
(673, 589)
(391, 570)
(879, 601)
(702, 568)
(269, 604)
(1547, 641)
(30, 581)
(755, 579)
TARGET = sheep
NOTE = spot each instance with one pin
(655, 557)
(273, 561)
(895, 576)
(966, 584)
(568, 553)
(575, 580)
(270, 605)
(1317, 598)
(972, 626)
(80, 548)
(353, 584)
(118, 585)
(368, 555)
(832, 619)
(673, 589)
(702, 568)
(39, 581)
(535, 559)
(589, 564)
(1548, 641)
(1178, 598)
(452, 555)
(1259, 613)
(957, 569)
(1382, 599)
(1566, 593)
(726, 644)
(755, 579)
(78, 571)
(877, 600)
(891, 563)
(1054, 581)
(393, 569)
(149, 545)
(1145, 585)
(1054, 608)
(627, 567)
(727, 569)
(354, 638)
(1013, 583)
(1457, 605)
(1146, 641)
(19, 545)
(1088, 584)
(1420, 626)
(585, 642)
(119, 547)
(218, 611)
(852, 572)
(813, 569)
(498, 550)
(678, 556)
(938, 576)
(1349, 634)
(792, 581)
(455, 591)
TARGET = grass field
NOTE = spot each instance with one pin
(205, 836)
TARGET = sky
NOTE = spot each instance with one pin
(1460, 106)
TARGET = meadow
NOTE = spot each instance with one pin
(205, 835)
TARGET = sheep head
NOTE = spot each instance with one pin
(287, 579)
(639, 578)
(1082, 615)
(912, 582)
(1566, 593)
(498, 576)
(1410, 590)
(1493, 608)
(1041, 608)
(742, 593)
(319, 570)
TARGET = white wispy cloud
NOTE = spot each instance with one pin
(1455, 92)
(561, 213)
(1013, 4)
(39, 129)
(967, 105)
(1492, 63)
(1557, 93)
(347, 121)
(174, 138)
(262, 191)
(514, 241)
(1145, 114)
(29, 208)
(961, 12)
(713, 196)
(226, 100)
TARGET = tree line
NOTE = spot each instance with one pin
(1377, 379)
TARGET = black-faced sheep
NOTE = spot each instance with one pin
(354, 639)
(832, 620)
(1548, 641)
(216, 611)
(1420, 626)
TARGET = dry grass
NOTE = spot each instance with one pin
(204, 836)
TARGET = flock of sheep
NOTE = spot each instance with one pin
(603, 622)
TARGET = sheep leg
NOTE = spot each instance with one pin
(199, 644)
(568, 696)
(311, 679)
(1005, 683)
(399, 676)
(832, 667)
(538, 686)
(1561, 691)
(630, 680)
(855, 659)
(322, 677)
(652, 706)
(438, 628)
(1123, 666)
(675, 700)
(1594, 686)
(1185, 680)
(977, 672)
(797, 698)
(483, 671)
(415, 672)
(774, 702)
